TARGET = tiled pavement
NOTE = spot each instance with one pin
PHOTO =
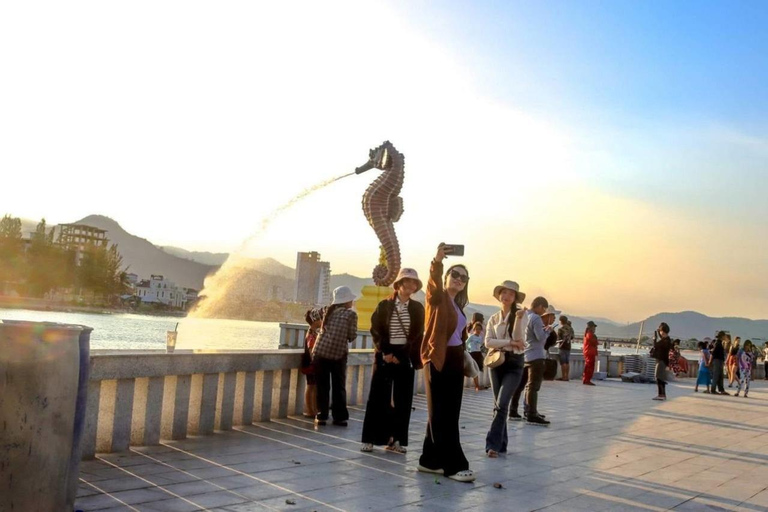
(610, 447)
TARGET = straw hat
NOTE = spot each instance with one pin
(342, 295)
(408, 273)
(509, 285)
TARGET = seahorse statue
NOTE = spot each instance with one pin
(383, 207)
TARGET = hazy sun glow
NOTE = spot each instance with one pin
(190, 122)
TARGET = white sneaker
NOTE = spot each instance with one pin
(464, 476)
(367, 447)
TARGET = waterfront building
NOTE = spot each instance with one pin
(313, 279)
(157, 289)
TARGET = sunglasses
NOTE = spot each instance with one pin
(464, 278)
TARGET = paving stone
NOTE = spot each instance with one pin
(608, 448)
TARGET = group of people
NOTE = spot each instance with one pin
(723, 357)
(718, 358)
(408, 336)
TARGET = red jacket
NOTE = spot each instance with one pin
(590, 345)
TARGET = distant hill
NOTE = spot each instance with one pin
(144, 258)
(206, 258)
(267, 279)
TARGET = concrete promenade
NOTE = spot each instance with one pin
(609, 447)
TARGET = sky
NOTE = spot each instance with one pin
(611, 156)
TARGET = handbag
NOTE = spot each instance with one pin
(494, 358)
(470, 366)
(550, 369)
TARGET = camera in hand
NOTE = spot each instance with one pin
(453, 250)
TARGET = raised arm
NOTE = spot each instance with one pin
(435, 283)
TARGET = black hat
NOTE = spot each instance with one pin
(591, 324)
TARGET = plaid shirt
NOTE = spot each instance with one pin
(340, 330)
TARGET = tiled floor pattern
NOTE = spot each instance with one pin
(609, 447)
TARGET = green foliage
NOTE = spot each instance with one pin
(12, 262)
(47, 266)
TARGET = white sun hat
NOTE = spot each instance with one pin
(342, 295)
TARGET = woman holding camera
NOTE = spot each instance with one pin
(442, 353)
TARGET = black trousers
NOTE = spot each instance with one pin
(535, 378)
(388, 412)
(442, 446)
(331, 377)
(717, 375)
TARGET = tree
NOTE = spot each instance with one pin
(43, 260)
(11, 251)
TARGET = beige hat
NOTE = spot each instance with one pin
(551, 311)
(510, 285)
(342, 295)
(408, 273)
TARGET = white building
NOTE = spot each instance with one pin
(324, 283)
(158, 289)
(313, 279)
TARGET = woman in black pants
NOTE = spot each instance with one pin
(442, 353)
(397, 328)
(661, 346)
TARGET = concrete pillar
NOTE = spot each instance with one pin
(225, 403)
(262, 406)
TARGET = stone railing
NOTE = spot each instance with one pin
(292, 336)
(137, 399)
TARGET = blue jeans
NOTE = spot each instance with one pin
(504, 380)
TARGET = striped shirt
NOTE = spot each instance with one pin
(398, 331)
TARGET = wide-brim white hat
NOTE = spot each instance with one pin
(408, 273)
(342, 295)
(510, 285)
(551, 311)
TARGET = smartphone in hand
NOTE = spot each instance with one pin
(453, 250)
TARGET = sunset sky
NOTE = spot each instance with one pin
(612, 156)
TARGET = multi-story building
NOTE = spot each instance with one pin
(324, 283)
(312, 279)
(158, 289)
(81, 238)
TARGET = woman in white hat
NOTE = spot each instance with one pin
(329, 356)
(505, 378)
(397, 328)
(442, 353)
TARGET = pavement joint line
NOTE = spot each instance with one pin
(198, 479)
(102, 491)
(386, 459)
(261, 480)
(405, 477)
(147, 481)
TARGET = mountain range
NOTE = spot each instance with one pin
(266, 278)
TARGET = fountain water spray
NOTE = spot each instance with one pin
(218, 286)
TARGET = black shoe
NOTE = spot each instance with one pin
(515, 416)
(341, 423)
(320, 423)
(724, 393)
(537, 420)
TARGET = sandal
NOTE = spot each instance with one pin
(396, 448)
(367, 447)
(493, 454)
(463, 476)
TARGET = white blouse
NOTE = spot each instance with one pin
(497, 332)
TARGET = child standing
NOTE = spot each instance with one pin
(475, 349)
(314, 318)
(744, 360)
(705, 360)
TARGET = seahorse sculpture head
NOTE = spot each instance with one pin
(383, 206)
